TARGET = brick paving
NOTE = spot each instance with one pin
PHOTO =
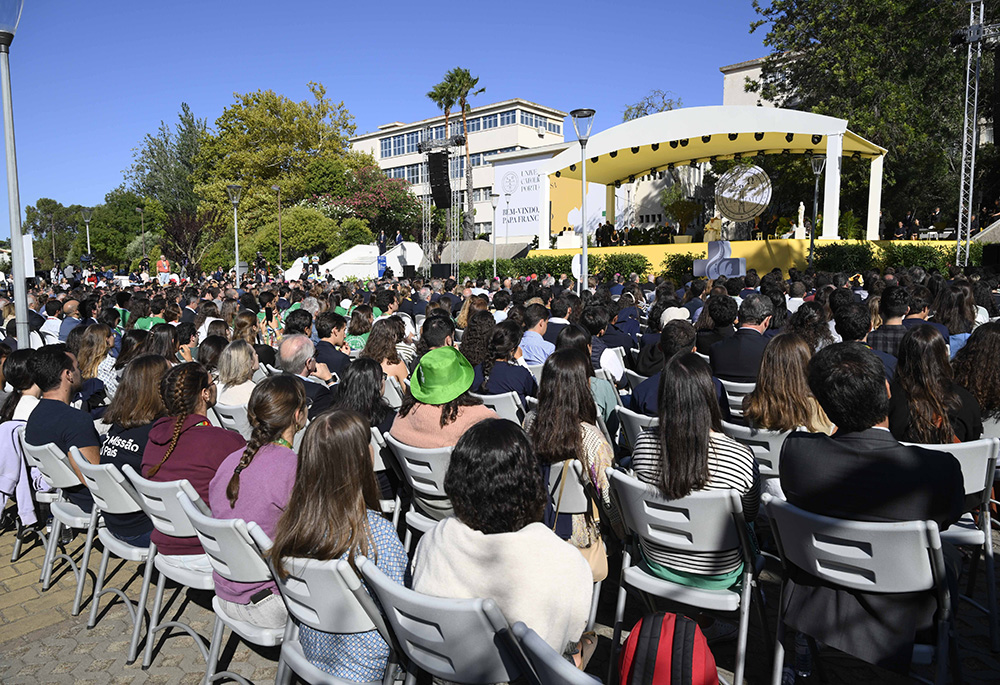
(40, 642)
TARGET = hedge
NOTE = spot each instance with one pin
(859, 257)
(845, 257)
(608, 265)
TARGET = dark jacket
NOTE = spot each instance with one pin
(707, 338)
(336, 360)
(738, 358)
(318, 396)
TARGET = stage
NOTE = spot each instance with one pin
(762, 255)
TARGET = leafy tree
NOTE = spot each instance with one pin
(383, 203)
(304, 231)
(462, 85)
(655, 101)
(164, 164)
(326, 176)
(885, 66)
(678, 207)
(188, 235)
(54, 227)
(443, 95)
(115, 224)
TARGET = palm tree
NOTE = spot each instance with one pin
(462, 86)
(444, 97)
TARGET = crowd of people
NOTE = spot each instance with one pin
(855, 364)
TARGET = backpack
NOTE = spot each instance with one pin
(666, 649)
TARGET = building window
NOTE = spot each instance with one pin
(412, 141)
(413, 174)
(398, 145)
(476, 159)
(437, 133)
(386, 147)
(473, 125)
(509, 117)
(554, 127)
(458, 167)
(489, 121)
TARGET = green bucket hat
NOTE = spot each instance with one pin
(441, 376)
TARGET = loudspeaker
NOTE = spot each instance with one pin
(437, 168)
(440, 270)
(991, 256)
(409, 271)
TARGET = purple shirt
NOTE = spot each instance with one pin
(265, 486)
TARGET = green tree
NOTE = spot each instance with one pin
(304, 231)
(886, 67)
(163, 165)
(678, 207)
(655, 101)
(461, 83)
(443, 95)
(54, 227)
(116, 223)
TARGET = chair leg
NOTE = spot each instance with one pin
(594, 601)
(954, 659)
(50, 554)
(154, 620)
(991, 592)
(973, 572)
(98, 586)
(742, 632)
(616, 635)
(213, 654)
(407, 540)
(762, 616)
(779, 651)
(81, 582)
(16, 554)
(140, 607)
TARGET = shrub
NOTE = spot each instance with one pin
(619, 263)
(677, 265)
(846, 257)
(904, 254)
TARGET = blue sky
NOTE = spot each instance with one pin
(89, 80)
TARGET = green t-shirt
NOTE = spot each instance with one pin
(357, 342)
(147, 322)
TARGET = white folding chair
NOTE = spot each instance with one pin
(271, 370)
(423, 471)
(978, 459)
(536, 371)
(633, 424)
(378, 451)
(459, 332)
(703, 356)
(113, 495)
(55, 468)
(634, 379)
(735, 392)
(549, 665)
(231, 551)
(26, 518)
(234, 418)
(708, 521)
(893, 557)
(159, 501)
(458, 640)
(603, 374)
(393, 392)
(260, 374)
(765, 445)
(507, 405)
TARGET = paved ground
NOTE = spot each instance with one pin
(40, 642)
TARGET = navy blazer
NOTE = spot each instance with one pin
(737, 358)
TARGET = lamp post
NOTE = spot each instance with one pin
(142, 231)
(10, 15)
(52, 232)
(234, 197)
(817, 165)
(281, 251)
(88, 213)
(506, 226)
(494, 200)
(583, 120)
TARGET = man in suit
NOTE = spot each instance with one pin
(297, 356)
(190, 309)
(863, 473)
(738, 358)
(331, 348)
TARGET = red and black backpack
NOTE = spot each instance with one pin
(666, 649)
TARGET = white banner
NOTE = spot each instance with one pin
(29, 256)
(519, 210)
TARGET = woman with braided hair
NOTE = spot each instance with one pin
(185, 445)
(254, 484)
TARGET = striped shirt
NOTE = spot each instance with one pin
(730, 466)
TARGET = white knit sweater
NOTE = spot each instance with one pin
(532, 575)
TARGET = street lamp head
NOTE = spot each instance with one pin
(583, 120)
(276, 188)
(139, 210)
(234, 193)
(506, 198)
(10, 16)
(818, 163)
(87, 213)
(494, 199)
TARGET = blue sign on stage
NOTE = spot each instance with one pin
(381, 265)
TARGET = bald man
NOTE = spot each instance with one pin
(297, 356)
(71, 319)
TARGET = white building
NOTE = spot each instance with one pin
(734, 81)
(492, 130)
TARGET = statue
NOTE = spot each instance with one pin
(800, 227)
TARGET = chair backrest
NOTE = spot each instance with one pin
(271, 370)
(227, 542)
(550, 666)
(765, 444)
(507, 405)
(378, 444)
(703, 356)
(634, 379)
(260, 374)
(701, 522)
(234, 418)
(459, 640)
(978, 459)
(882, 557)
(111, 492)
(735, 393)
(634, 423)
(51, 461)
(991, 427)
(571, 498)
(424, 469)
(536, 371)
(459, 332)
(159, 501)
(620, 353)
(393, 392)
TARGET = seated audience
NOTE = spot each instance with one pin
(184, 444)
(955, 309)
(562, 308)
(577, 338)
(247, 329)
(362, 389)
(437, 331)
(332, 349)
(594, 320)
(381, 346)
(297, 356)
(811, 323)
(263, 473)
(209, 351)
(133, 412)
(893, 306)
(920, 310)
(25, 394)
(237, 365)
(475, 343)
(854, 323)
(738, 358)
(498, 494)
(438, 408)
(862, 473)
(333, 513)
(976, 369)
(96, 363)
(360, 327)
(535, 348)
(500, 372)
(722, 312)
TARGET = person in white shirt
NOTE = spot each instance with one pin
(796, 291)
(50, 328)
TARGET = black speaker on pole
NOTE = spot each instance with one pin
(409, 271)
(991, 256)
(437, 169)
(440, 270)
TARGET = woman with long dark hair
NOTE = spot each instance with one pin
(811, 321)
(576, 338)
(24, 397)
(475, 343)
(977, 368)
(254, 484)
(333, 513)
(360, 327)
(162, 341)
(132, 345)
(955, 309)
(926, 404)
(499, 372)
(686, 453)
(381, 347)
(781, 399)
(134, 410)
(565, 427)
(361, 390)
